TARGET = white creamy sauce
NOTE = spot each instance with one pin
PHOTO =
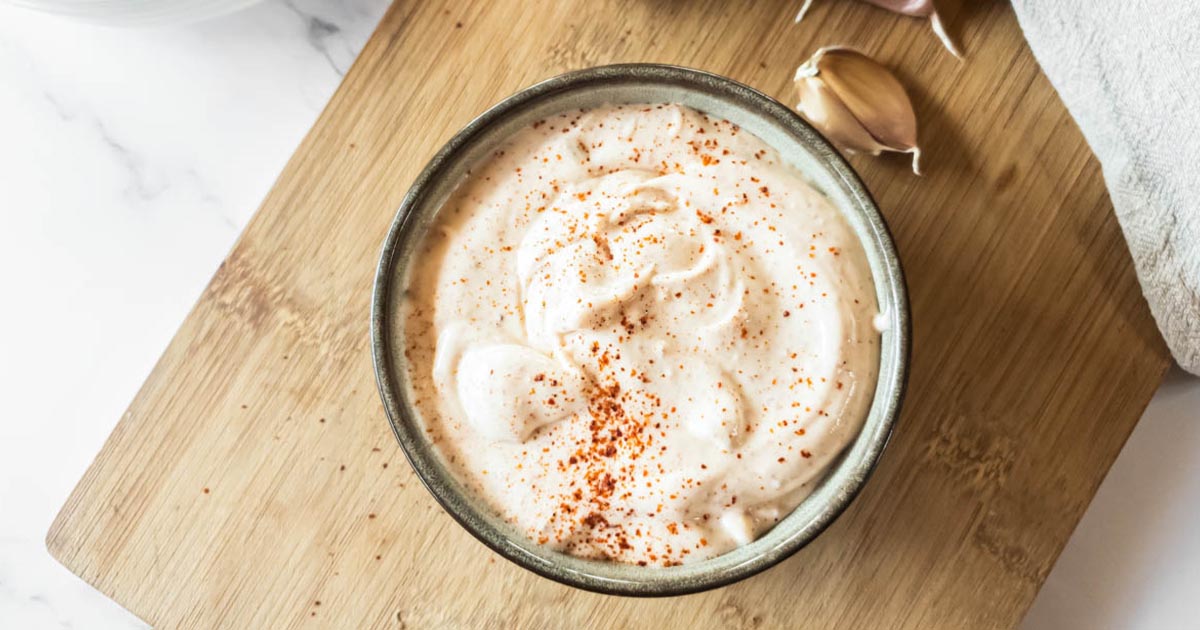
(639, 335)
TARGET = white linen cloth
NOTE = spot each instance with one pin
(1129, 72)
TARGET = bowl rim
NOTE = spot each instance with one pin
(778, 114)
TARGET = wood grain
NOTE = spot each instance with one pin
(254, 481)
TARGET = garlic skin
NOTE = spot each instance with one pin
(857, 103)
(914, 8)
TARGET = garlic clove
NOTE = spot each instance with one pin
(803, 10)
(820, 106)
(939, 29)
(914, 8)
(857, 103)
(873, 94)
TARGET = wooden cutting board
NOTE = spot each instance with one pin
(254, 481)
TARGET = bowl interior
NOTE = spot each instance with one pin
(799, 144)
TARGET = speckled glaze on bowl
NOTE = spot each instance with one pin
(799, 144)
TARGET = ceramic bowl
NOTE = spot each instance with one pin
(799, 144)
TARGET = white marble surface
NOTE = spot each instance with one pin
(130, 161)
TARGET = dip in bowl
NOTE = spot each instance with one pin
(640, 330)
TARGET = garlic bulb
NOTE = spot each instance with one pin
(857, 103)
(915, 8)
